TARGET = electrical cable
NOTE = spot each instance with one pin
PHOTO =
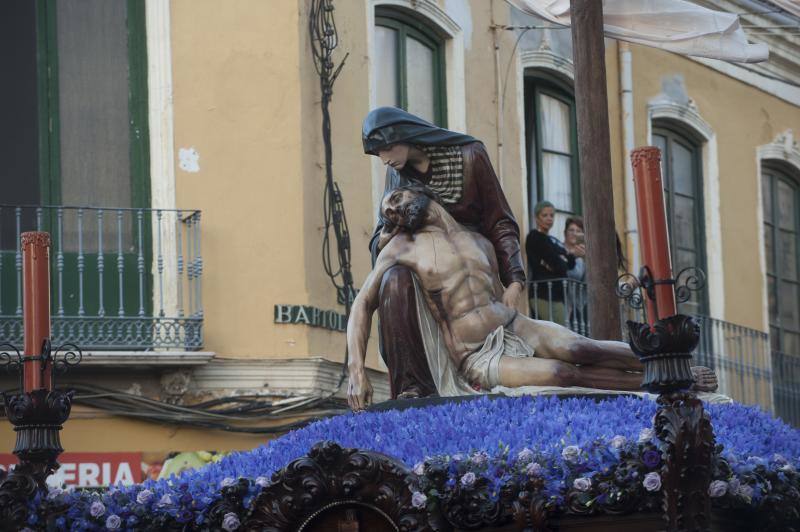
(324, 39)
(245, 414)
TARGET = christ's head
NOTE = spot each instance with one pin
(406, 207)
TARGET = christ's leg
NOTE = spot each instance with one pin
(532, 371)
(554, 341)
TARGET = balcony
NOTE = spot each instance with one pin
(121, 278)
(748, 370)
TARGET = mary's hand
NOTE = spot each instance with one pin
(511, 294)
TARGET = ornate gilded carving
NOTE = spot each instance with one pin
(328, 474)
(687, 441)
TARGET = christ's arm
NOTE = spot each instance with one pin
(359, 393)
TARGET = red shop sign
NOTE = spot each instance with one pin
(90, 469)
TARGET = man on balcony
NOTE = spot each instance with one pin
(485, 343)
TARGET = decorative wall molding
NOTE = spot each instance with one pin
(548, 60)
(662, 107)
(282, 377)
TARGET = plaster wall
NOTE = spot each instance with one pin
(238, 105)
(742, 118)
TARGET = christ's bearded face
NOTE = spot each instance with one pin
(406, 209)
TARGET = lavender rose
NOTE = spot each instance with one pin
(262, 482)
(418, 500)
(468, 480)
(646, 435)
(582, 484)
(113, 522)
(533, 469)
(97, 509)
(227, 481)
(652, 481)
(230, 521)
(718, 488)
(746, 491)
(479, 458)
(571, 453)
(617, 442)
(525, 455)
(144, 496)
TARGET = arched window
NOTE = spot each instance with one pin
(551, 146)
(681, 169)
(409, 62)
(781, 197)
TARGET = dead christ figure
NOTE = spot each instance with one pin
(489, 343)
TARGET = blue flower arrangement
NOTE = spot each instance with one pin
(579, 453)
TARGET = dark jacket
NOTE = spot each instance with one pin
(547, 259)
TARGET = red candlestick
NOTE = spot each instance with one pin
(653, 232)
(36, 307)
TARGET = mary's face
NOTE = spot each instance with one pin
(395, 155)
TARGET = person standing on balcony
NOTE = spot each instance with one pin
(457, 168)
(575, 244)
(548, 263)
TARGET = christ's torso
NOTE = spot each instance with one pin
(458, 272)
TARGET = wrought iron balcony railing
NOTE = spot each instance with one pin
(747, 369)
(122, 278)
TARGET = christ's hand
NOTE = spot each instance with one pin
(359, 391)
(511, 294)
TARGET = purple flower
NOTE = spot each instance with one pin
(468, 480)
(262, 482)
(230, 522)
(651, 458)
(646, 434)
(144, 496)
(418, 500)
(571, 453)
(582, 484)
(97, 509)
(617, 442)
(165, 500)
(533, 469)
(113, 522)
(652, 481)
(718, 488)
(54, 493)
(227, 481)
(419, 469)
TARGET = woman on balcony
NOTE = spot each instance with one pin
(548, 263)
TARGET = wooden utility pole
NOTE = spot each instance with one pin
(591, 101)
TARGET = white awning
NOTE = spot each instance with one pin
(675, 25)
(792, 6)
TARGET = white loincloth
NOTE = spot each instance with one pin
(449, 382)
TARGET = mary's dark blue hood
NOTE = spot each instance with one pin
(389, 125)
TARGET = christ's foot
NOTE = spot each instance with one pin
(705, 380)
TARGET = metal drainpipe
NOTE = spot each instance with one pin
(499, 91)
(628, 142)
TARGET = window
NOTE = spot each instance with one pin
(781, 197)
(77, 135)
(409, 66)
(551, 147)
(683, 192)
